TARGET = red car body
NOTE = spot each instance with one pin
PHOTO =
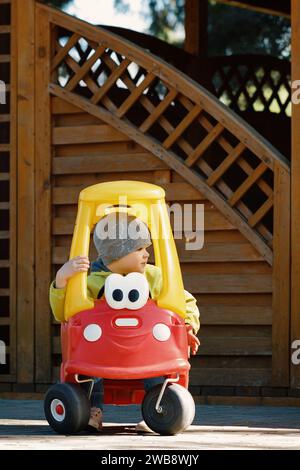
(121, 353)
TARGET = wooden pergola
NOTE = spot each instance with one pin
(196, 43)
(274, 7)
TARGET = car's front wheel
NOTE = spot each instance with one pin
(177, 409)
(67, 408)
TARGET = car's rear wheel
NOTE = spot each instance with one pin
(191, 408)
(67, 408)
(177, 409)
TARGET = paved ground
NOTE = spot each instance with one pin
(23, 426)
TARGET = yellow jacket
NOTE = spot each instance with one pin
(96, 280)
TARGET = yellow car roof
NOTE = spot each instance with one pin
(111, 191)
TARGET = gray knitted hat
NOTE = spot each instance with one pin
(118, 234)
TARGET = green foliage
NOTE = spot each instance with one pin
(230, 30)
(240, 31)
(164, 16)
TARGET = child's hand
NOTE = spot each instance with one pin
(71, 267)
(193, 341)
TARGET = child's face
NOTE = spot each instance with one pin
(133, 262)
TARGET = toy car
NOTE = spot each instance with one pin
(142, 339)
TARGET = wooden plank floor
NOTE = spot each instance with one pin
(22, 426)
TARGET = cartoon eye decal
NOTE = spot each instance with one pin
(131, 291)
(117, 295)
(138, 291)
(114, 291)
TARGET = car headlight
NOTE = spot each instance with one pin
(161, 332)
(92, 332)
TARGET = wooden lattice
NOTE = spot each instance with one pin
(242, 82)
(227, 161)
(253, 83)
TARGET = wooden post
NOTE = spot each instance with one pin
(43, 201)
(295, 195)
(281, 278)
(196, 19)
(13, 192)
(26, 153)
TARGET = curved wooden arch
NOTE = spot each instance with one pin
(179, 121)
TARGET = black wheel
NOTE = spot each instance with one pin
(177, 409)
(67, 408)
(191, 407)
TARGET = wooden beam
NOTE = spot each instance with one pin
(159, 110)
(295, 194)
(204, 144)
(135, 94)
(64, 50)
(261, 212)
(281, 279)
(182, 126)
(4, 147)
(107, 163)
(5, 29)
(4, 117)
(226, 163)
(228, 283)
(86, 134)
(235, 346)
(26, 152)
(196, 19)
(4, 58)
(231, 376)
(276, 7)
(12, 234)
(42, 201)
(246, 185)
(85, 68)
